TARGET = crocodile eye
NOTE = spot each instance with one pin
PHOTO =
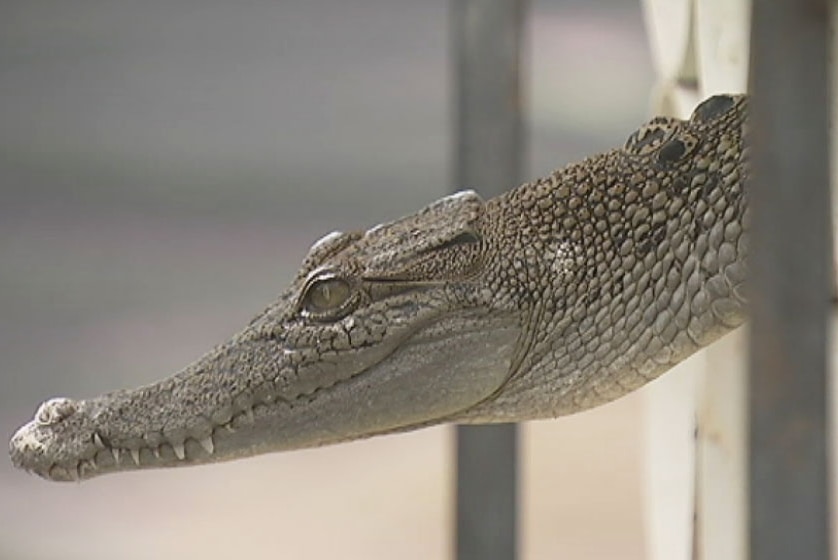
(326, 295)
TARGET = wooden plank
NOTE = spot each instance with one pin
(670, 454)
(722, 31)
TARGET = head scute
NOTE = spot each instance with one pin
(413, 246)
(327, 247)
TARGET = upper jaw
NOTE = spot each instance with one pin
(185, 419)
(70, 440)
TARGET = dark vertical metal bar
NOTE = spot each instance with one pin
(487, 39)
(790, 286)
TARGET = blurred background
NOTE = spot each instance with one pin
(165, 166)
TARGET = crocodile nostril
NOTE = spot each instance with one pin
(54, 411)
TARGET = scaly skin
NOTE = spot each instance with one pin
(555, 297)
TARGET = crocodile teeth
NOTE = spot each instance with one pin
(97, 441)
(156, 451)
(115, 453)
(250, 417)
(135, 454)
(179, 450)
(207, 444)
(229, 428)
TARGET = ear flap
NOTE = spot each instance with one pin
(440, 242)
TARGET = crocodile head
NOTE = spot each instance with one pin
(557, 296)
(380, 331)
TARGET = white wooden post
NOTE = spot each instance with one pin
(722, 31)
(670, 402)
(696, 413)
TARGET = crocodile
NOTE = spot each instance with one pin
(557, 296)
